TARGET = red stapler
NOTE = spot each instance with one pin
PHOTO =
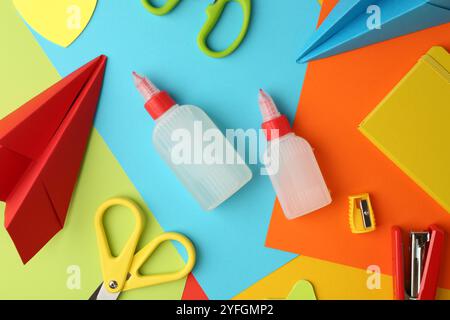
(420, 281)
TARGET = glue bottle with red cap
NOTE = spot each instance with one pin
(291, 164)
(192, 145)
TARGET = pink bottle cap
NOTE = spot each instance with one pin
(157, 102)
(145, 86)
(267, 106)
(275, 125)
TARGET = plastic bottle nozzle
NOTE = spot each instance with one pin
(147, 89)
(267, 106)
(275, 124)
(156, 102)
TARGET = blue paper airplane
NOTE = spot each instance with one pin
(348, 26)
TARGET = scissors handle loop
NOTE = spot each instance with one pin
(136, 280)
(163, 10)
(115, 269)
(214, 12)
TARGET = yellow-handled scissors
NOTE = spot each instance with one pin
(214, 12)
(121, 273)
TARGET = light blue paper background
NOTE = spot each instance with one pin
(229, 240)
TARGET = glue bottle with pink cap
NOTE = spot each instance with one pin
(291, 165)
(212, 171)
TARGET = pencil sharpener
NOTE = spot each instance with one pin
(361, 216)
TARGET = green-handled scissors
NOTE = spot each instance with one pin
(214, 12)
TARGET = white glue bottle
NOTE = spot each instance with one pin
(291, 164)
(192, 145)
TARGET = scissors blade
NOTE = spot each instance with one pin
(101, 293)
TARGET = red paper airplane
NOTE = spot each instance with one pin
(42, 145)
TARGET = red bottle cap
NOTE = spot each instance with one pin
(159, 104)
(277, 127)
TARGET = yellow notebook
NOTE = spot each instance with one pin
(411, 126)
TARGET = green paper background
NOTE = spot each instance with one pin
(25, 72)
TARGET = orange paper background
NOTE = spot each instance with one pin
(339, 92)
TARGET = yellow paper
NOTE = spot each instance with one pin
(331, 281)
(59, 21)
(411, 125)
